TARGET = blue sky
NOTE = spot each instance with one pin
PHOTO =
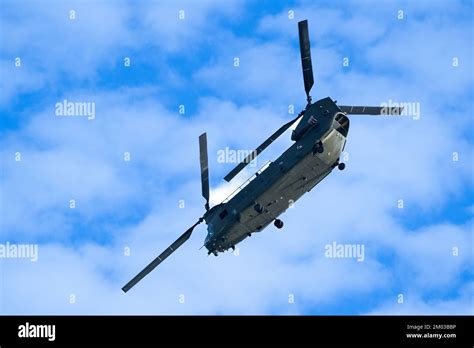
(425, 57)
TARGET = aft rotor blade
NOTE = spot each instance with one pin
(184, 237)
(204, 168)
(305, 50)
(259, 149)
(371, 110)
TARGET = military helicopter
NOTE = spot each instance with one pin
(319, 137)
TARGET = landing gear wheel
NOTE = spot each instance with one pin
(278, 223)
(341, 166)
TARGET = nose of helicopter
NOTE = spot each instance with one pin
(209, 243)
(213, 246)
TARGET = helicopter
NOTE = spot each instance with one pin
(319, 139)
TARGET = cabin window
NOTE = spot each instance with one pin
(223, 214)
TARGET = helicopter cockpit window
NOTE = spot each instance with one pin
(341, 124)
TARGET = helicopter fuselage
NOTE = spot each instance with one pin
(321, 136)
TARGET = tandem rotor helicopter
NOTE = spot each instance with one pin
(319, 138)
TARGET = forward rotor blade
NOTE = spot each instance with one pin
(184, 237)
(305, 50)
(371, 110)
(204, 168)
(259, 149)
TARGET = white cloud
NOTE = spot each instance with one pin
(414, 304)
(52, 46)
